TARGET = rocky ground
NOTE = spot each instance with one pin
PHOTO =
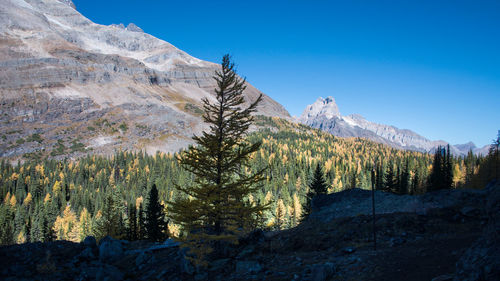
(450, 235)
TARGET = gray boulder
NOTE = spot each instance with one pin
(110, 249)
(90, 242)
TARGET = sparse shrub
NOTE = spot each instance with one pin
(123, 127)
(35, 137)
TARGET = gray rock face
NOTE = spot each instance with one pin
(55, 64)
(321, 108)
(324, 114)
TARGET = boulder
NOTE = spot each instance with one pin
(109, 249)
(90, 242)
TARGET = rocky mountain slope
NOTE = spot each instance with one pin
(443, 235)
(324, 114)
(69, 85)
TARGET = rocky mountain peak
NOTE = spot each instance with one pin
(466, 146)
(324, 114)
(134, 28)
(130, 27)
(322, 107)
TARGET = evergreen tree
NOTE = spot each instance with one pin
(6, 231)
(141, 224)
(132, 223)
(318, 186)
(155, 217)
(47, 231)
(219, 209)
(109, 222)
(441, 176)
(354, 181)
(448, 168)
(403, 182)
(389, 183)
(415, 184)
(379, 181)
(494, 156)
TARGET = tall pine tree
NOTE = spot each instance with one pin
(441, 176)
(390, 184)
(155, 217)
(218, 210)
(318, 186)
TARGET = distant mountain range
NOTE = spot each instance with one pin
(68, 84)
(324, 114)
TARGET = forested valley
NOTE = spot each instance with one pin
(45, 200)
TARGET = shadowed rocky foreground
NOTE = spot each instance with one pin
(444, 235)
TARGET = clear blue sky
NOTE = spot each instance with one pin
(429, 66)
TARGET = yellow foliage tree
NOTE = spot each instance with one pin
(85, 224)
(280, 214)
(21, 238)
(6, 200)
(66, 227)
(56, 188)
(47, 198)
(297, 209)
(13, 201)
(28, 199)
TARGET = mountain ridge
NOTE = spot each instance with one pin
(324, 114)
(71, 81)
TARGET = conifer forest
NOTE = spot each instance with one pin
(45, 200)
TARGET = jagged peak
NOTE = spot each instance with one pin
(134, 28)
(325, 107)
(130, 27)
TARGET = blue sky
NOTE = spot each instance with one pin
(429, 66)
